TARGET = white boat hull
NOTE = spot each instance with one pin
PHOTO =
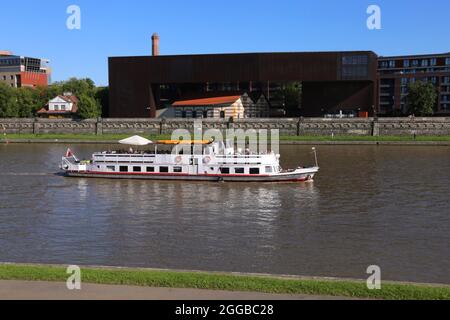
(299, 175)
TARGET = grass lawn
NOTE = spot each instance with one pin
(215, 281)
(116, 137)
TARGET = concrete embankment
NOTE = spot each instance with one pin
(285, 126)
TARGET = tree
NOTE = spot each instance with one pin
(78, 87)
(8, 103)
(88, 107)
(421, 98)
(27, 102)
(102, 96)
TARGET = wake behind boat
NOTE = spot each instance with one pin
(204, 161)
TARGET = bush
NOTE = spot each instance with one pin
(88, 107)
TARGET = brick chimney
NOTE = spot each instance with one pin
(155, 44)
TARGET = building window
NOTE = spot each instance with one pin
(404, 81)
(177, 169)
(150, 169)
(446, 80)
(254, 170)
(225, 170)
(56, 107)
(194, 114)
(269, 169)
(123, 169)
(12, 77)
(137, 169)
(355, 66)
(111, 168)
(415, 63)
(239, 170)
(222, 114)
(392, 64)
(447, 61)
(164, 169)
(406, 63)
(433, 61)
(183, 114)
(425, 63)
(205, 114)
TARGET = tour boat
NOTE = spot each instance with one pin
(204, 161)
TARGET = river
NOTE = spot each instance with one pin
(369, 205)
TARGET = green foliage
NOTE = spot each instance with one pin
(204, 280)
(422, 97)
(78, 87)
(290, 95)
(88, 107)
(25, 102)
(102, 96)
(8, 103)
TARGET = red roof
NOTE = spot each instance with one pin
(72, 99)
(207, 101)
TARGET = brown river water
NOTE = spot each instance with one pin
(387, 206)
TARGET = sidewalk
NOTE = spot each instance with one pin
(39, 290)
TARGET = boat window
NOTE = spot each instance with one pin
(123, 169)
(137, 169)
(239, 170)
(269, 170)
(254, 170)
(150, 169)
(163, 169)
(225, 170)
(111, 168)
(177, 169)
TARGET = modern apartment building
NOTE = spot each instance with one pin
(19, 71)
(396, 73)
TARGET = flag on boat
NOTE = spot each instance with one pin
(69, 153)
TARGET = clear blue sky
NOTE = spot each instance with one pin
(117, 28)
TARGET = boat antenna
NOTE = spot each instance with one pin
(315, 155)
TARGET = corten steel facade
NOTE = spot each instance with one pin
(396, 73)
(331, 81)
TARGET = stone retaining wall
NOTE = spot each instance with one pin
(306, 126)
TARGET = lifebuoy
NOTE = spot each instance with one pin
(178, 159)
(206, 160)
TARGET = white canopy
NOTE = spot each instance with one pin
(136, 141)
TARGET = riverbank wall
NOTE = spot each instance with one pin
(286, 126)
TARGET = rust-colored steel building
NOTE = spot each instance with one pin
(331, 81)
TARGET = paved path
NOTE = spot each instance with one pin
(40, 290)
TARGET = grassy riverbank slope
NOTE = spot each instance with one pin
(224, 281)
(116, 137)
